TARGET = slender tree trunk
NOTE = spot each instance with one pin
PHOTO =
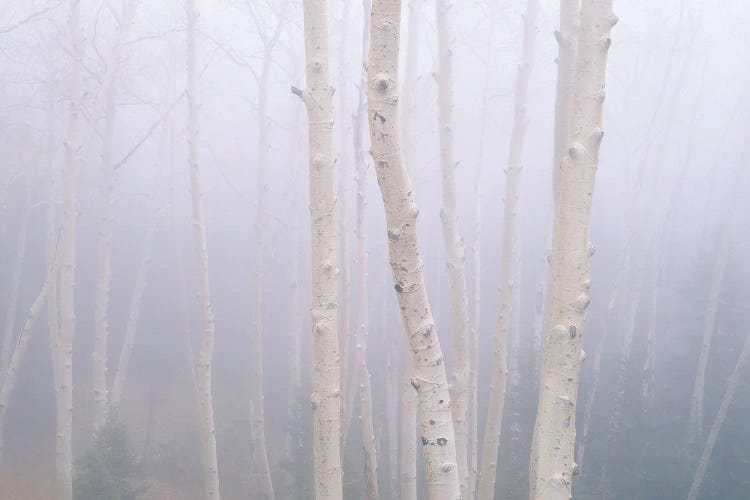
(392, 389)
(429, 376)
(695, 426)
(257, 399)
(205, 356)
(106, 219)
(453, 245)
(141, 280)
(345, 284)
(326, 396)
(71, 173)
(713, 434)
(408, 419)
(509, 263)
(552, 462)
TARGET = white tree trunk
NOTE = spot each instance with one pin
(713, 434)
(509, 263)
(695, 426)
(453, 245)
(552, 462)
(567, 40)
(408, 418)
(363, 373)
(392, 390)
(106, 218)
(326, 396)
(205, 355)
(71, 173)
(136, 300)
(429, 376)
(257, 399)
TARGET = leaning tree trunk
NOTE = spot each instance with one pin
(713, 434)
(429, 377)
(509, 263)
(106, 219)
(205, 355)
(552, 462)
(326, 396)
(71, 173)
(453, 245)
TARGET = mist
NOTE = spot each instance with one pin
(374, 250)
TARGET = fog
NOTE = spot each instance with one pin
(97, 93)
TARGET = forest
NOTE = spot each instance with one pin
(376, 249)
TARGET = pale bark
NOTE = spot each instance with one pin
(71, 173)
(509, 263)
(713, 434)
(567, 39)
(326, 396)
(363, 373)
(429, 376)
(106, 218)
(695, 426)
(257, 399)
(392, 388)
(136, 301)
(552, 462)
(205, 355)
(453, 244)
(408, 418)
(345, 284)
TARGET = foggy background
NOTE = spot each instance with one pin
(675, 149)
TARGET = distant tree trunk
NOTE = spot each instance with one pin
(71, 173)
(205, 356)
(106, 217)
(345, 284)
(509, 263)
(141, 280)
(392, 390)
(408, 419)
(365, 389)
(429, 377)
(326, 396)
(552, 462)
(8, 382)
(453, 245)
(713, 434)
(257, 399)
(695, 426)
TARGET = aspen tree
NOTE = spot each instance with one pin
(408, 418)
(453, 244)
(257, 399)
(429, 376)
(363, 373)
(552, 463)
(326, 396)
(71, 173)
(713, 433)
(509, 264)
(106, 216)
(205, 355)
